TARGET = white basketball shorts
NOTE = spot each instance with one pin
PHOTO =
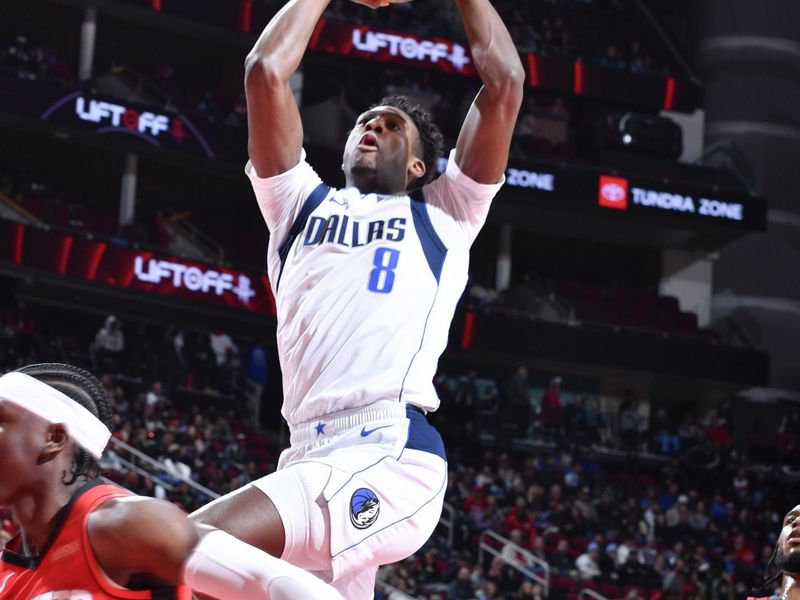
(357, 490)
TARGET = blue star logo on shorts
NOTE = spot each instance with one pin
(365, 506)
(320, 427)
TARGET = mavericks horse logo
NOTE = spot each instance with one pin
(364, 508)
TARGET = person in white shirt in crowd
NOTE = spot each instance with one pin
(109, 344)
(586, 563)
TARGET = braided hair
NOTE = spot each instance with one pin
(770, 579)
(431, 141)
(85, 389)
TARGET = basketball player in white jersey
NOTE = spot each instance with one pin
(366, 281)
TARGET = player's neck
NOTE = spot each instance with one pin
(36, 515)
(372, 184)
(790, 590)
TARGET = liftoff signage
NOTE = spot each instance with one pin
(411, 48)
(120, 116)
(193, 278)
(345, 39)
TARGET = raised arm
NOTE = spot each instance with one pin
(485, 137)
(275, 132)
(273, 119)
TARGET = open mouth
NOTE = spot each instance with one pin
(368, 142)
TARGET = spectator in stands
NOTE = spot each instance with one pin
(500, 574)
(552, 407)
(790, 424)
(612, 58)
(512, 550)
(607, 563)
(740, 483)
(467, 396)
(574, 419)
(155, 398)
(400, 591)
(673, 513)
(461, 588)
(201, 360)
(20, 328)
(255, 380)
(560, 560)
(629, 421)
(689, 432)
(716, 582)
(223, 347)
(530, 591)
(517, 400)
(672, 587)
(664, 437)
(109, 345)
(743, 558)
(586, 563)
(598, 423)
(175, 465)
(520, 519)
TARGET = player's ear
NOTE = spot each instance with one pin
(56, 440)
(416, 168)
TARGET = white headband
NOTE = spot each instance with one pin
(54, 407)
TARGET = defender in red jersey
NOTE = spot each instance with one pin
(68, 568)
(786, 559)
(81, 539)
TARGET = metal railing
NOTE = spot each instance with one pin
(183, 230)
(540, 576)
(591, 594)
(151, 468)
(448, 521)
(389, 589)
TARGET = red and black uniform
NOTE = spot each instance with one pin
(66, 569)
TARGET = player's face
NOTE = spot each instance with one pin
(788, 558)
(380, 152)
(22, 436)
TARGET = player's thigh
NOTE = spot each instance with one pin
(296, 493)
(247, 514)
(386, 512)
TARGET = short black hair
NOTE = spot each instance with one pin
(431, 139)
(85, 389)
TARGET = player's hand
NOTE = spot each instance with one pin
(376, 4)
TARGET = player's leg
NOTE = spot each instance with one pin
(282, 514)
(249, 515)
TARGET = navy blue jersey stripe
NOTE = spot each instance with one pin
(422, 435)
(314, 199)
(432, 245)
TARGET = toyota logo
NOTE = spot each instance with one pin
(613, 192)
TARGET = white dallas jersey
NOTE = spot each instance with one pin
(365, 285)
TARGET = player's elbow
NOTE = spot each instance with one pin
(261, 72)
(506, 88)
